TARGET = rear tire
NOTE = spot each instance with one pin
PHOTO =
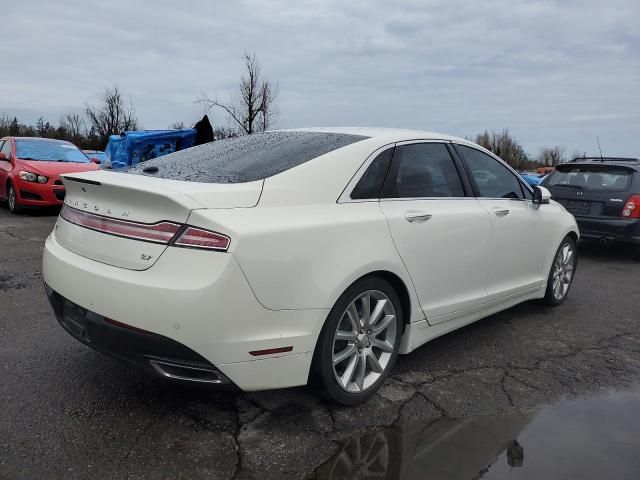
(359, 342)
(12, 201)
(562, 272)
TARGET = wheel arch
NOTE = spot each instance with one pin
(397, 283)
(400, 288)
(572, 233)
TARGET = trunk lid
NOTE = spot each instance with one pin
(139, 200)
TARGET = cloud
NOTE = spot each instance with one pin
(543, 69)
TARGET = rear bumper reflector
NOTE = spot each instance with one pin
(270, 351)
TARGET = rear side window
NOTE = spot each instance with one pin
(244, 159)
(422, 170)
(491, 177)
(371, 182)
(591, 177)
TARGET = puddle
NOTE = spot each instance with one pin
(587, 439)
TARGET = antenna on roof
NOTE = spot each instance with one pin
(601, 157)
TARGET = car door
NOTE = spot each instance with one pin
(5, 166)
(441, 234)
(518, 244)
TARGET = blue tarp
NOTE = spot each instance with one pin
(131, 148)
(531, 179)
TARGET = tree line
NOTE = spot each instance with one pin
(252, 109)
(504, 145)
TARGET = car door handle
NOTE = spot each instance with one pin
(417, 216)
(502, 213)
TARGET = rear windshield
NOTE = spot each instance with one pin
(49, 151)
(243, 159)
(591, 177)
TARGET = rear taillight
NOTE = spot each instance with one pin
(199, 238)
(165, 232)
(631, 207)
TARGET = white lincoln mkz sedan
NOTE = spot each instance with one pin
(275, 259)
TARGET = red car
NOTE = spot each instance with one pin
(30, 170)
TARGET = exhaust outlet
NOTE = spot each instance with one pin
(189, 372)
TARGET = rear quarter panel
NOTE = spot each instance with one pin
(305, 257)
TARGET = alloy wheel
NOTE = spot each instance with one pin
(563, 267)
(363, 458)
(364, 341)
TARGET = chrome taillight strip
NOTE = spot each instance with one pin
(160, 232)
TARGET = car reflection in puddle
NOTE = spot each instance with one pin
(586, 439)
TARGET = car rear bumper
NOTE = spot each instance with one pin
(155, 353)
(609, 229)
(198, 300)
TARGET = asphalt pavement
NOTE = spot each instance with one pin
(69, 412)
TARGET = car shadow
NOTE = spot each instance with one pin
(608, 251)
(32, 212)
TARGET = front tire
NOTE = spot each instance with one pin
(562, 272)
(359, 342)
(12, 201)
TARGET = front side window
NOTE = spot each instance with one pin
(492, 179)
(370, 184)
(6, 149)
(49, 151)
(422, 170)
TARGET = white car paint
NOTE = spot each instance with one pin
(297, 243)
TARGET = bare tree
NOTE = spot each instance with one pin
(74, 125)
(177, 126)
(112, 116)
(551, 156)
(578, 154)
(254, 110)
(506, 147)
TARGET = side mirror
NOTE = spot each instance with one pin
(3, 157)
(95, 160)
(541, 195)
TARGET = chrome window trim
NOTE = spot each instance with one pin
(345, 197)
(408, 199)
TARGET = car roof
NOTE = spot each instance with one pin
(617, 162)
(395, 134)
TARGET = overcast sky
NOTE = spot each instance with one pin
(552, 72)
